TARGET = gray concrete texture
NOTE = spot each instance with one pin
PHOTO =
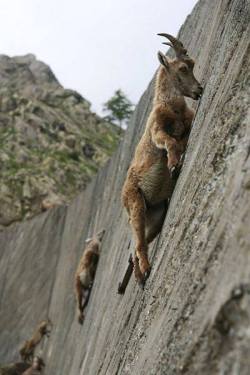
(194, 315)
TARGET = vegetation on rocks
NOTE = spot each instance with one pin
(51, 143)
(119, 109)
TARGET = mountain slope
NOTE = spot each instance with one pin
(51, 144)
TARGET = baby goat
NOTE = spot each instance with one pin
(36, 367)
(28, 348)
(151, 177)
(85, 273)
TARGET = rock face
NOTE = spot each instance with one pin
(44, 130)
(194, 315)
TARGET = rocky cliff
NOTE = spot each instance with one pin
(194, 315)
(51, 142)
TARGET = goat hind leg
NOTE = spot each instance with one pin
(86, 300)
(137, 215)
(79, 293)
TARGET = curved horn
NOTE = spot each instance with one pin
(168, 44)
(177, 45)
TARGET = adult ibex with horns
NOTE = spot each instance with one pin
(151, 177)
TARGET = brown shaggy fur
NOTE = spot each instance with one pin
(151, 177)
(29, 346)
(85, 273)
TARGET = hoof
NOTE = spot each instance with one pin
(142, 284)
(80, 320)
(175, 171)
(146, 274)
(145, 269)
(143, 279)
(120, 289)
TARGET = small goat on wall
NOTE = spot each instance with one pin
(36, 368)
(151, 177)
(85, 273)
(17, 368)
(29, 346)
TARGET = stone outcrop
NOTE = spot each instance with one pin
(193, 316)
(44, 130)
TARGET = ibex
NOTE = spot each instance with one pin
(36, 367)
(151, 177)
(29, 346)
(85, 273)
(17, 368)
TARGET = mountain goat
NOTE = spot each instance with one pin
(157, 161)
(85, 273)
(29, 346)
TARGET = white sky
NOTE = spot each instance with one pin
(93, 46)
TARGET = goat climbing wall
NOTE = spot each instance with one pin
(194, 315)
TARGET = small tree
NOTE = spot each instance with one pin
(120, 108)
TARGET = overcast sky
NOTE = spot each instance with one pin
(93, 46)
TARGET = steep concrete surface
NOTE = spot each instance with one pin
(194, 315)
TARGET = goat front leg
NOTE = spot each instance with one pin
(174, 149)
(175, 152)
(79, 295)
(137, 210)
(182, 145)
(162, 139)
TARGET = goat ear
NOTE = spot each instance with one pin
(101, 234)
(163, 59)
(88, 240)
